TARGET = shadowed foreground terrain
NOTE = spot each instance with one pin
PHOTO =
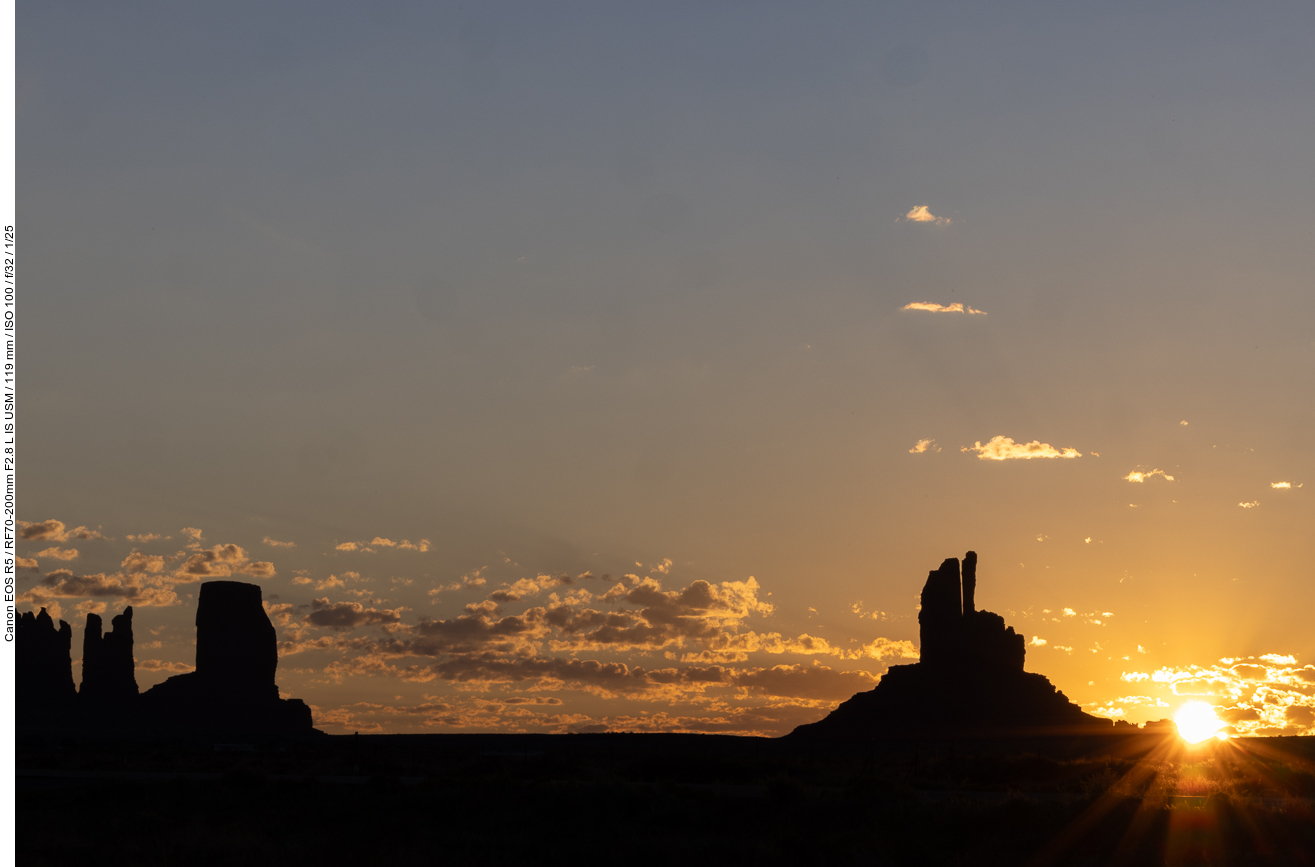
(666, 799)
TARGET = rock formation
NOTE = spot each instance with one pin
(969, 679)
(107, 661)
(231, 694)
(44, 665)
(232, 688)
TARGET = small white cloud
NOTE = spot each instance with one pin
(1037, 641)
(1283, 485)
(1004, 448)
(1183, 422)
(933, 307)
(1143, 475)
(1251, 505)
(923, 214)
(924, 446)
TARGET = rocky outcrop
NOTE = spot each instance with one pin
(231, 694)
(107, 662)
(232, 688)
(969, 678)
(44, 665)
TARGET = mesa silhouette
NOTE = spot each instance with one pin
(231, 692)
(968, 681)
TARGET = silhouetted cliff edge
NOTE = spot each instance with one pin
(968, 681)
(231, 693)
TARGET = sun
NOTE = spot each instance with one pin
(1197, 722)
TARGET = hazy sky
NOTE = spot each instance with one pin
(549, 289)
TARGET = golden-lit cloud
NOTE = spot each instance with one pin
(57, 554)
(1265, 695)
(1143, 475)
(922, 446)
(341, 616)
(222, 561)
(373, 545)
(274, 543)
(51, 530)
(932, 307)
(137, 563)
(923, 214)
(1283, 485)
(143, 538)
(27, 563)
(472, 579)
(63, 584)
(1004, 448)
(1251, 505)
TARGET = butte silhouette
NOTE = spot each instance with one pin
(231, 692)
(968, 681)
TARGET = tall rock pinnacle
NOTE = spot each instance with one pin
(107, 661)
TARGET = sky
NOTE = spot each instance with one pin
(587, 366)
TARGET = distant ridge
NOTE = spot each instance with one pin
(968, 681)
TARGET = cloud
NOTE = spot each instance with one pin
(137, 562)
(54, 531)
(275, 543)
(221, 561)
(529, 587)
(377, 542)
(804, 681)
(194, 534)
(932, 307)
(1140, 476)
(161, 665)
(58, 554)
(1251, 505)
(143, 538)
(341, 616)
(63, 584)
(1004, 448)
(1268, 694)
(27, 563)
(1283, 485)
(922, 214)
(924, 446)
(473, 579)
(1037, 641)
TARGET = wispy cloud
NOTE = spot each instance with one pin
(1283, 485)
(932, 307)
(1141, 476)
(1005, 449)
(57, 553)
(924, 446)
(378, 542)
(275, 543)
(1251, 505)
(923, 214)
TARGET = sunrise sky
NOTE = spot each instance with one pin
(569, 367)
